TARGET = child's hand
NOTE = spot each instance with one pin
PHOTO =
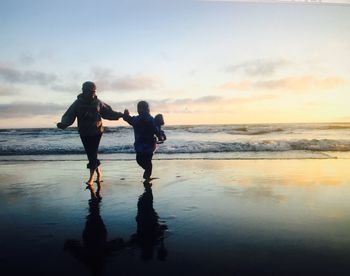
(161, 137)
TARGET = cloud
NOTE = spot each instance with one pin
(107, 80)
(194, 105)
(29, 58)
(292, 83)
(102, 74)
(14, 76)
(68, 88)
(104, 78)
(27, 109)
(259, 67)
(135, 83)
(204, 104)
(26, 59)
(238, 85)
(8, 90)
(302, 83)
(186, 104)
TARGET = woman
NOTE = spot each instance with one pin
(89, 110)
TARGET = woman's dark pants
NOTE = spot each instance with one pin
(91, 144)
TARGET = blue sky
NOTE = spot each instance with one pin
(196, 62)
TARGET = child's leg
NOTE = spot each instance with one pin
(148, 166)
(145, 161)
(139, 159)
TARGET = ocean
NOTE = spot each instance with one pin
(236, 141)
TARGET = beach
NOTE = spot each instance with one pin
(200, 217)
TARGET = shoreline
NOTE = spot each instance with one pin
(262, 155)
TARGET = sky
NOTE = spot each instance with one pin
(196, 62)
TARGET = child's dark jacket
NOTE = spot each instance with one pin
(145, 131)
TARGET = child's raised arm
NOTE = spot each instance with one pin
(127, 118)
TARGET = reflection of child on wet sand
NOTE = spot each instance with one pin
(150, 232)
(146, 129)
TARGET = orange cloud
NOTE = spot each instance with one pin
(302, 83)
(196, 105)
(298, 83)
(241, 85)
(259, 67)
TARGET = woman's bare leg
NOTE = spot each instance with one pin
(91, 179)
(99, 175)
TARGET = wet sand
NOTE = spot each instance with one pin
(201, 217)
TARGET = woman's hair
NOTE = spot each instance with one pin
(89, 86)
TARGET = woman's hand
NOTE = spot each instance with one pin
(60, 125)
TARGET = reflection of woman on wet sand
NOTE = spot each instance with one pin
(94, 248)
(89, 110)
(150, 232)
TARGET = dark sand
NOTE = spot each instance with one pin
(201, 217)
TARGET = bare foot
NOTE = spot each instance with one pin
(98, 195)
(92, 192)
(89, 182)
(148, 180)
(147, 184)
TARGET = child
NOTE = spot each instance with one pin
(145, 130)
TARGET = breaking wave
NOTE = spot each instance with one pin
(190, 147)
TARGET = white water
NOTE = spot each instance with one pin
(264, 141)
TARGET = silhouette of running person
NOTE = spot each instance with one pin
(150, 232)
(89, 110)
(95, 248)
(146, 131)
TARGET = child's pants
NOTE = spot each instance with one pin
(144, 159)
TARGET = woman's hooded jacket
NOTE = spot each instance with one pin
(89, 114)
